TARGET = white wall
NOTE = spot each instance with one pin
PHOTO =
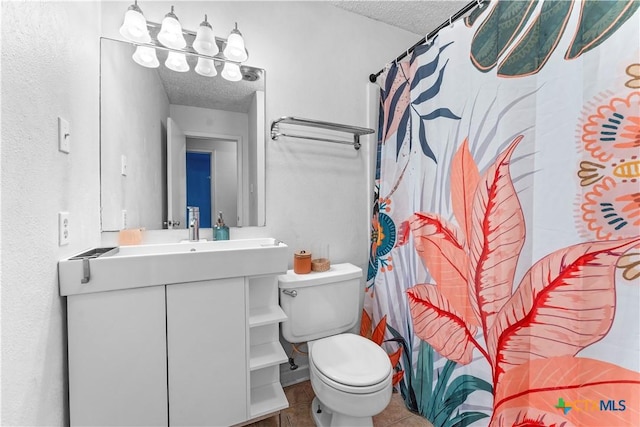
(256, 153)
(50, 65)
(134, 126)
(226, 198)
(50, 68)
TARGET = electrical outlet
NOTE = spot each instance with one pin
(64, 135)
(123, 165)
(124, 219)
(63, 228)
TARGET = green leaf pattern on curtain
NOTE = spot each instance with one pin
(536, 46)
(528, 53)
(598, 20)
(498, 31)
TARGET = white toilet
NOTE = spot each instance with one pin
(350, 374)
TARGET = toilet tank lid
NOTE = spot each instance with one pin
(337, 272)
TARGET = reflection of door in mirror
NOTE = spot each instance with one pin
(224, 173)
(225, 170)
(199, 186)
(176, 175)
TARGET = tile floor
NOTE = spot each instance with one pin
(298, 414)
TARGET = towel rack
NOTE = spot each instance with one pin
(354, 130)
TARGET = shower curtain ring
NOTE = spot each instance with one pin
(451, 21)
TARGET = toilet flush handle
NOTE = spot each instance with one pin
(290, 292)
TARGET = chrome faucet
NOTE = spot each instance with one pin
(194, 223)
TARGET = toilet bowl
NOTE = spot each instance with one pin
(350, 374)
(351, 377)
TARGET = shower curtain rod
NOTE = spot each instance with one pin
(432, 34)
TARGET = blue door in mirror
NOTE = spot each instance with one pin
(199, 185)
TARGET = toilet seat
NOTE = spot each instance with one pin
(350, 363)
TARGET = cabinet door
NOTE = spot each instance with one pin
(207, 356)
(117, 358)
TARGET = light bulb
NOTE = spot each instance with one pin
(134, 27)
(206, 67)
(235, 49)
(146, 56)
(231, 72)
(205, 42)
(177, 62)
(170, 33)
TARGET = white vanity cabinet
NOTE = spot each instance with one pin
(186, 354)
(175, 334)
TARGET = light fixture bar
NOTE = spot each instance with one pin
(188, 49)
(156, 26)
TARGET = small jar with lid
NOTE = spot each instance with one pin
(302, 262)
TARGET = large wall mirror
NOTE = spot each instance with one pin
(171, 139)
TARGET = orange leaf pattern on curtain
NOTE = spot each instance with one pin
(436, 322)
(497, 236)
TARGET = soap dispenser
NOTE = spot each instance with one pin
(220, 231)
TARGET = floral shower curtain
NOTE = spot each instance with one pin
(504, 275)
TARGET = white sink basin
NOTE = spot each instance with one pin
(202, 245)
(162, 264)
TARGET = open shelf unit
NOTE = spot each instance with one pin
(267, 399)
(265, 355)
(266, 315)
(265, 351)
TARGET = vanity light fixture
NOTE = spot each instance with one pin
(170, 33)
(134, 27)
(206, 67)
(169, 36)
(146, 56)
(235, 50)
(177, 61)
(231, 72)
(205, 42)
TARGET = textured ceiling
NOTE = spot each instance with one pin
(419, 17)
(214, 93)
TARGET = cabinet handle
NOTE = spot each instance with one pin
(291, 293)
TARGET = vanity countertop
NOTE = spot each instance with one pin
(169, 263)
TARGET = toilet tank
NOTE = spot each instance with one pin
(325, 303)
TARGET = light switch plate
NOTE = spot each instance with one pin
(64, 135)
(63, 228)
